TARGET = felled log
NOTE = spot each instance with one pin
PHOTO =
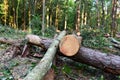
(107, 62)
(9, 41)
(46, 62)
(70, 45)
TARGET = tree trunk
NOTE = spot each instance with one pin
(114, 10)
(107, 62)
(17, 12)
(56, 17)
(103, 12)
(78, 17)
(98, 13)
(43, 18)
(46, 62)
(47, 17)
(24, 21)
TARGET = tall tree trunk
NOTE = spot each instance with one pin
(17, 11)
(82, 16)
(50, 14)
(24, 21)
(56, 18)
(65, 23)
(43, 19)
(98, 13)
(29, 19)
(114, 10)
(103, 13)
(78, 17)
(85, 18)
(50, 19)
(47, 17)
(5, 11)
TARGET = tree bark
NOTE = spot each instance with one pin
(107, 62)
(113, 25)
(46, 62)
(43, 19)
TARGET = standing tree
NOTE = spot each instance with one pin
(43, 18)
(17, 11)
(78, 16)
(98, 13)
(4, 11)
(113, 25)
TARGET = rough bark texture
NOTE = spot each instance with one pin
(107, 62)
(46, 62)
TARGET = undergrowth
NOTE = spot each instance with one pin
(94, 38)
(7, 32)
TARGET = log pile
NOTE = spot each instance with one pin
(107, 62)
(70, 46)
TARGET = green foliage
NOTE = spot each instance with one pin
(6, 74)
(7, 32)
(50, 31)
(36, 23)
(66, 69)
(93, 38)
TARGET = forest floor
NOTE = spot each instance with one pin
(15, 68)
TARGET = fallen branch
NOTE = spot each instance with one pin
(9, 41)
(45, 64)
(115, 43)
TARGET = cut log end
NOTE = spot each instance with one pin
(33, 39)
(69, 45)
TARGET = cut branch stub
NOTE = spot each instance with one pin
(69, 45)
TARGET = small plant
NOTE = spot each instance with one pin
(66, 69)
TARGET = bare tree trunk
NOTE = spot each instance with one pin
(43, 18)
(114, 10)
(24, 21)
(98, 13)
(78, 17)
(56, 18)
(103, 13)
(65, 23)
(85, 18)
(17, 12)
(47, 18)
